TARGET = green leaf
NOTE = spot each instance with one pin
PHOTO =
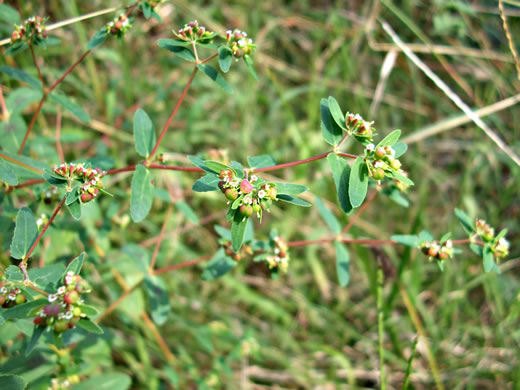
(12, 133)
(262, 161)
(214, 75)
(341, 174)
(75, 209)
(20, 75)
(206, 183)
(198, 162)
(342, 263)
(158, 299)
(397, 196)
(9, 14)
(110, 381)
(358, 182)
(176, 48)
(12, 382)
(466, 221)
(139, 255)
(238, 228)
(75, 265)
(89, 311)
(225, 58)
(141, 198)
(70, 106)
(15, 48)
(293, 200)
(147, 10)
(187, 211)
(402, 178)
(13, 274)
(400, 148)
(290, 189)
(390, 139)
(144, 133)
(336, 113)
(47, 276)
(425, 236)
(218, 266)
(407, 239)
(21, 98)
(37, 332)
(7, 174)
(330, 130)
(73, 195)
(25, 310)
(25, 233)
(89, 326)
(249, 64)
(328, 216)
(215, 166)
(488, 258)
(97, 39)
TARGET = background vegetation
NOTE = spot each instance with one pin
(301, 331)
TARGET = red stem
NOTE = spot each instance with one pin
(37, 66)
(56, 211)
(345, 240)
(170, 119)
(155, 166)
(5, 113)
(35, 170)
(360, 211)
(31, 124)
(181, 265)
(300, 162)
(67, 72)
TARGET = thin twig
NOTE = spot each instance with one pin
(37, 66)
(181, 265)
(12, 160)
(161, 237)
(509, 38)
(360, 211)
(5, 113)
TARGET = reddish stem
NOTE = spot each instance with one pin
(176, 108)
(360, 211)
(181, 265)
(31, 124)
(344, 240)
(23, 264)
(209, 58)
(5, 113)
(155, 166)
(37, 66)
(28, 183)
(35, 170)
(67, 72)
(300, 162)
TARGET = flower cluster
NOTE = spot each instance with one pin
(245, 250)
(31, 31)
(10, 295)
(239, 43)
(64, 308)
(359, 127)
(64, 383)
(119, 26)
(42, 221)
(280, 257)
(380, 161)
(248, 195)
(90, 177)
(498, 244)
(437, 250)
(193, 31)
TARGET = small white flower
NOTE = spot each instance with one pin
(390, 151)
(12, 297)
(449, 244)
(60, 316)
(68, 315)
(61, 290)
(267, 187)
(379, 164)
(370, 147)
(3, 290)
(241, 42)
(52, 298)
(39, 222)
(261, 194)
(248, 200)
(253, 178)
(229, 32)
(358, 117)
(503, 243)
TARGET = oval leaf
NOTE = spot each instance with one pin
(25, 233)
(142, 194)
(342, 263)
(358, 182)
(214, 75)
(144, 134)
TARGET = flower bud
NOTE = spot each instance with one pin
(76, 312)
(52, 310)
(395, 164)
(443, 255)
(223, 173)
(71, 298)
(273, 192)
(433, 251)
(39, 321)
(246, 210)
(378, 174)
(20, 298)
(257, 208)
(221, 185)
(380, 153)
(246, 187)
(61, 326)
(231, 194)
(86, 197)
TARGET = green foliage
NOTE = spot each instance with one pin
(142, 193)
(144, 133)
(25, 233)
(358, 182)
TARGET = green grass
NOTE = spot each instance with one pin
(310, 332)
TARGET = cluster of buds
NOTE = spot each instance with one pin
(91, 178)
(499, 244)
(239, 43)
(438, 250)
(359, 127)
(119, 25)
(42, 221)
(10, 295)
(31, 31)
(193, 31)
(280, 257)
(245, 250)
(249, 195)
(64, 383)
(380, 161)
(64, 308)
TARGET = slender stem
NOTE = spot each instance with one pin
(155, 166)
(68, 71)
(59, 149)
(347, 155)
(300, 162)
(181, 265)
(56, 211)
(118, 301)
(32, 286)
(176, 108)
(342, 141)
(5, 113)
(37, 66)
(12, 160)
(158, 337)
(344, 240)
(380, 327)
(360, 211)
(161, 236)
(28, 183)
(209, 58)
(509, 38)
(31, 124)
